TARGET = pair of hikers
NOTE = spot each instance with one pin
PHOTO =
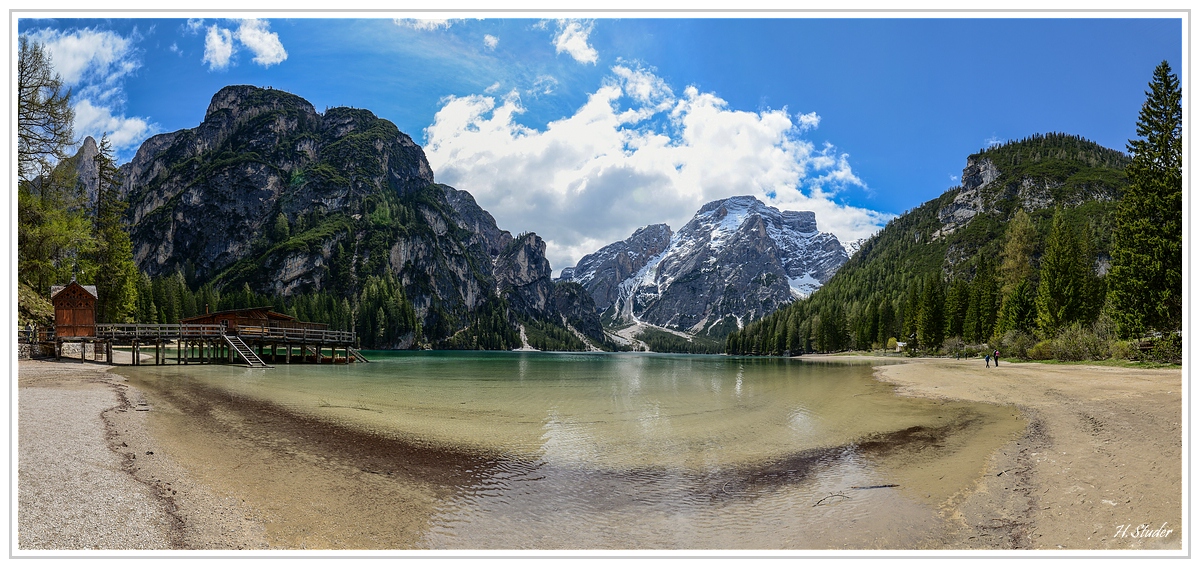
(994, 356)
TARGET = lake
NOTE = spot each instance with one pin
(600, 451)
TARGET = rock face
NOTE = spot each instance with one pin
(602, 272)
(986, 189)
(270, 193)
(734, 262)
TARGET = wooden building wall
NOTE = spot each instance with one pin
(74, 312)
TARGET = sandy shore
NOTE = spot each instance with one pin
(91, 477)
(1098, 467)
(102, 465)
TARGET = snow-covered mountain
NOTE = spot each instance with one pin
(734, 262)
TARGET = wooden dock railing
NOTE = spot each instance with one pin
(127, 331)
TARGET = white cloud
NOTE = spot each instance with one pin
(265, 45)
(543, 85)
(194, 25)
(491, 41)
(175, 48)
(992, 141)
(218, 47)
(426, 25)
(252, 34)
(573, 38)
(493, 87)
(808, 121)
(123, 132)
(87, 55)
(94, 64)
(593, 178)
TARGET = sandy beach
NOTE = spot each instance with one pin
(1098, 465)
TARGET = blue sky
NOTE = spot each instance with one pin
(584, 130)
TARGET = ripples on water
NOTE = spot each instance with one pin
(630, 450)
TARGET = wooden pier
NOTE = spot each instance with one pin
(191, 343)
(257, 337)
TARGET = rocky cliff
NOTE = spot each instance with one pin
(734, 262)
(269, 193)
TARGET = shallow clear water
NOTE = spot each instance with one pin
(649, 451)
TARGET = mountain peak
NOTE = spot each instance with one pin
(733, 262)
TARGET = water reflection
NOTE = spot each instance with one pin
(613, 451)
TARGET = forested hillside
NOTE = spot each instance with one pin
(1052, 248)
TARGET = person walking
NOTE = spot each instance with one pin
(987, 360)
(996, 357)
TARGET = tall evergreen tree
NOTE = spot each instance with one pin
(1062, 287)
(1016, 256)
(931, 323)
(1019, 312)
(115, 273)
(53, 228)
(45, 119)
(958, 300)
(1145, 282)
(979, 320)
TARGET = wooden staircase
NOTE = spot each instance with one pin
(248, 355)
(358, 356)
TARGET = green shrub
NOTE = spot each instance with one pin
(1015, 344)
(1168, 349)
(1074, 343)
(1041, 350)
(1125, 350)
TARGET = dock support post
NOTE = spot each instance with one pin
(108, 352)
(287, 355)
(57, 349)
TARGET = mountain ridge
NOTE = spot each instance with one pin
(268, 194)
(734, 261)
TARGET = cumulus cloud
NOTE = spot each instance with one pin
(218, 47)
(88, 55)
(808, 121)
(425, 25)
(94, 64)
(252, 34)
(594, 177)
(491, 41)
(265, 45)
(95, 121)
(573, 38)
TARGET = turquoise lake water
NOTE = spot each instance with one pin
(645, 450)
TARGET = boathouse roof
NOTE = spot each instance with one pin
(259, 313)
(54, 290)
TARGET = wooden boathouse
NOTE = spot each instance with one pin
(252, 336)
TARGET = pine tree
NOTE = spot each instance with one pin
(115, 273)
(1016, 258)
(980, 319)
(53, 228)
(1019, 311)
(1145, 282)
(958, 300)
(931, 324)
(1062, 286)
(45, 118)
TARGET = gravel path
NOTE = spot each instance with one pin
(73, 491)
